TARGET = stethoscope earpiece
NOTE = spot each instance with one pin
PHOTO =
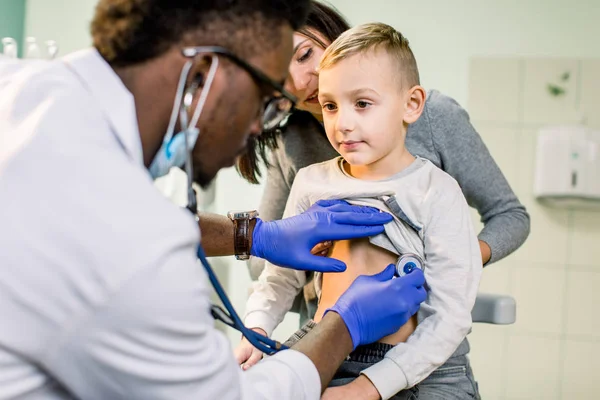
(188, 97)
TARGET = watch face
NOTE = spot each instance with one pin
(242, 214)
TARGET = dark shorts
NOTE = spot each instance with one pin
(452, 381)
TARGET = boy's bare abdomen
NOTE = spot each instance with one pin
(361, 258)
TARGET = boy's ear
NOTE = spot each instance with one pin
(415, 102)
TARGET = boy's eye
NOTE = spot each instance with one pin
(362, 104)
(306, 55)
(329, 107)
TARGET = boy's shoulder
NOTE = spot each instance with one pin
(319, 171)
(438, 181)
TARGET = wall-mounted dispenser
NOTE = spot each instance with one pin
(567, 170)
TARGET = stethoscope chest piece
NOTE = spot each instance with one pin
(408, 262)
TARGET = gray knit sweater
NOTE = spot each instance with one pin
(443, 135)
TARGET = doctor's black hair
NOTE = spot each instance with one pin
(129, 32)
(327, 22)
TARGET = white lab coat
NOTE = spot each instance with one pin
(101, 295)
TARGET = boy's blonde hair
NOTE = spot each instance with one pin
(369, 37)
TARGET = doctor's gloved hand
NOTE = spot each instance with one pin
(288, 242)
(376, 306)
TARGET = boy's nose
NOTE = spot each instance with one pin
(344, 122)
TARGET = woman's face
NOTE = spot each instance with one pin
(303, 81)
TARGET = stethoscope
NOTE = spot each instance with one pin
(405, 264)
(230, 318)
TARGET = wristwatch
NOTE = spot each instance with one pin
(241, 232)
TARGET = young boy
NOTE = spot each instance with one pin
(369, 91)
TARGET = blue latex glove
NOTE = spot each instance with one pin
(376, 306)
(288, 242)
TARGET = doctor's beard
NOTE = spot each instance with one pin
(201, 177)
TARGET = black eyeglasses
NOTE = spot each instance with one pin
(277, 107)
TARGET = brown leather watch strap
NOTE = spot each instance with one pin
(241, 241)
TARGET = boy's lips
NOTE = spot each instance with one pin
(350, 144)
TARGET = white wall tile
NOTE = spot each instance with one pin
(526, 139)
(494, 90)
(583, 300)
(590, 92)
(488, 359)
(497, 277)
(581, 371)
(533, 368)
(547, 242)
(503, 146)
(540, 107)
(584, 248)
(540, 296)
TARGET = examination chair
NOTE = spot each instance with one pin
(495, 309)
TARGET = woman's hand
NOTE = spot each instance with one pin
(486, 251)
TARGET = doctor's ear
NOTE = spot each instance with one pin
(201, 69)
(415, 102)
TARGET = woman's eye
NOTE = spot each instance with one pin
(306, 55)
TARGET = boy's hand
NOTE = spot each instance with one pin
(246, 354)
(322, 249)
(360, 389)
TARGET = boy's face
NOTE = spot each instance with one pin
(364, 108)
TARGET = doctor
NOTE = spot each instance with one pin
(101, 294)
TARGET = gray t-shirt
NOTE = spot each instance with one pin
(443, 135)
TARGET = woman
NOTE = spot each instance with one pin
(443, 135)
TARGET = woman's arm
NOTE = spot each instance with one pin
(466, 158)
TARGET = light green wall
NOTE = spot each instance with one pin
(445, 34)
(66, 21)
(12, 17)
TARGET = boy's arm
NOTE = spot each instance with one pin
(277, 287)
(452, 270)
